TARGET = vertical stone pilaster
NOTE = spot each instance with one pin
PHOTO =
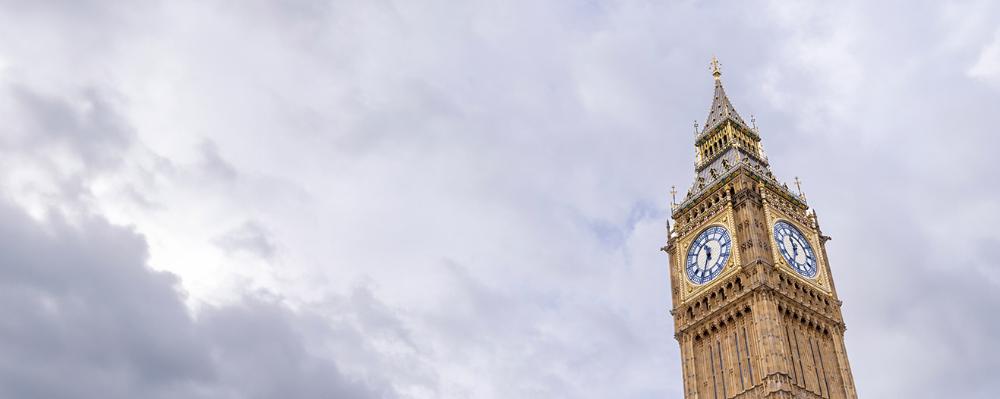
(845, 367)
(756, 344)
(688, 367)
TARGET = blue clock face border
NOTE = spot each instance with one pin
(793, 246)
(707, 255)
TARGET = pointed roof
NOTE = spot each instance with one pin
(722, 109)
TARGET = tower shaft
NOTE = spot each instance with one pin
(755, 311)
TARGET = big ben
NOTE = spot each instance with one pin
(755, 308)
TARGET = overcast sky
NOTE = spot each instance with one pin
(440, 199)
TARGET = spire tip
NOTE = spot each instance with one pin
(716, 71)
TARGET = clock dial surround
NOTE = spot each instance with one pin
(793, 246)
(707, 255)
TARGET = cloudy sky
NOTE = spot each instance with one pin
(439, 199)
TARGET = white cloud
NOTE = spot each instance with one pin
(987, 64)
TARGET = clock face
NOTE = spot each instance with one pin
(795, 249)
(708, 254)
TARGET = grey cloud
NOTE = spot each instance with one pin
(88, 125)
(85, 318)
(214, 164)
(560, 335)
(249, 237)
(263, 350)
(67, 140)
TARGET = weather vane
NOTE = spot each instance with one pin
(716, 71)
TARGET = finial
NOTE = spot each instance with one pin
(673, 197)
(716, 72)
(695, 127)
(753, 121)
(798, 185)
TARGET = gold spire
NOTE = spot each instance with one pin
(721, 109)
(716, 72)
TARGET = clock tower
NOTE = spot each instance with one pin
(755, 308)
